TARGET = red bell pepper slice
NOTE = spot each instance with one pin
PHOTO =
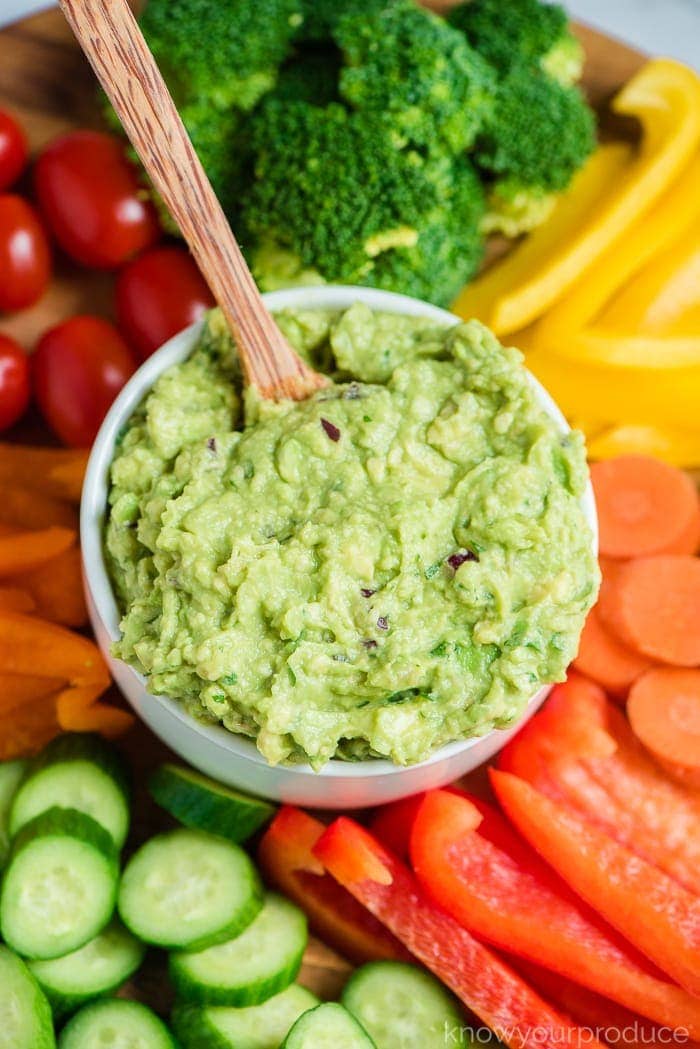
(484, 983)
(337, 918)
(581, 750)
(508, 896)
(654, 912)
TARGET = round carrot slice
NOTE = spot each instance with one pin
(664, 712)
(605, 659)
(653, 606)
(644, 506)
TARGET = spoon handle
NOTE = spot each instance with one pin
(114, 45)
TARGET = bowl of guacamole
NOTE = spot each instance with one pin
(371, 586)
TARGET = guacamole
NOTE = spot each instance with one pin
(398, 562)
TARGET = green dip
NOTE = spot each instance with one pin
(398, 562)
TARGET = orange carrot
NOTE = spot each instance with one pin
(605, 659)
(57, 472)
(664, 712)
(13, 599)
(653, 606)
(99, 717)
(29, 645)
(22, 508)
(28, 729)
(25, 551)
(18, 689)
(687, 542)
(57, 589)
(644, 506)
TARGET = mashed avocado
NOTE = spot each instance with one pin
(399, 562)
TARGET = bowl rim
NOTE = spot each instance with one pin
(103, 605)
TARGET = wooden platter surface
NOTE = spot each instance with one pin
(47, 84)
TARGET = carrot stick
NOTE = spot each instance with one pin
(13, 599)
(29, 645)
(605, 659)
(57, 472)
(29, 728)
(664, 712)
(644, 506)
(18, 689)
(22, 508)
(655, 913)
(99, 717)
(653, 606)
(26, 551)
(56, 589)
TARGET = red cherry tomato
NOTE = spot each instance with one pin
(79, 367)
(13, 150)
(158, 294)
(25, 259)
(14, 382)
(90, 196)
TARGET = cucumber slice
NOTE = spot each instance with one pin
(114, 1023)
(257, 1027)
(11, 774)
(200, 802)
(247, 970)
(76, 771)
(25, 1015)
(402, 1006)
(189, 889)
(329, 1026)
(93, 971)
(59, 886)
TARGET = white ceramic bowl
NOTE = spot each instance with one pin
(234, 759)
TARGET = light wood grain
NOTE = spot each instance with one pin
(46, 82)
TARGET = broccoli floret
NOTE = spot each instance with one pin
(331, 187)
(539, 134)
(311, 75)
(512, 208)
(521, 30)
(226, 52)
(319, 17)
(410, 65)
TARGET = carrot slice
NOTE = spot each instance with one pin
(56, 589)
(664, 712)
(605, 659)
(14, 599)
(18, 689)
(99, 717)
(28, 729)
(57, 472)
(22, 507)
(644, 505)
(28, 550)
(29, 645)
(653, 606)
(688, 542)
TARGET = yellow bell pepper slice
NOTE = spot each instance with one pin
(605, 198)
(664, 297)
(677, 447)
(598, 346)
(653, 232)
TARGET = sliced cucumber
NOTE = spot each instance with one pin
(11, 774)
(257, 1027)
(247, 970)
(329, 1026)
(402, 1006)
(189, 889)
(93, 971)
(114, 1023)
(200, 802)
(76, 771)
(25, 1015)
(59, 886)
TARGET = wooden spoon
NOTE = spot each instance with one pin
(110, 37)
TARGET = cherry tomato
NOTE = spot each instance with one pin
(78, 369)
(14, 382)
(25, 259)
(13, 150)
(90, 196)
(158, 294)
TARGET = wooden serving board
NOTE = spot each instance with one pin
(47, 84)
